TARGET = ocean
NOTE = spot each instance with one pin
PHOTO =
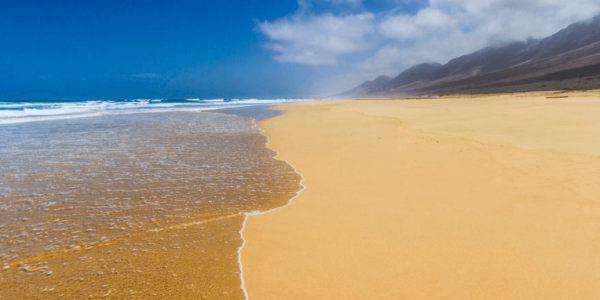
(132, 198)
(12, 112)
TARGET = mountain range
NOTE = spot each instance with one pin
(569, 59)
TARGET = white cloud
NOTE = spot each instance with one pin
(317, 39)
(408, 27)
(450, 28)
(386, 61)
(437, 32)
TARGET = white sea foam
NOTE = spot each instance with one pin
(23, 112)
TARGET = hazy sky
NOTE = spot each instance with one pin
(244, 48)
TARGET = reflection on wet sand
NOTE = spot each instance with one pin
(134, 206)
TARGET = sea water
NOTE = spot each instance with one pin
(12, 112)
(130, 199)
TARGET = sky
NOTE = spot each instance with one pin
(73, 49)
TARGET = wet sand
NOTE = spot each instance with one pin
(492, 197)
(258, 112)
(141, 206)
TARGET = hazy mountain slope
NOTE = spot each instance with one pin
(569, 65)
(573, 37)
(427, 71)
(569, 54)
(367, 86)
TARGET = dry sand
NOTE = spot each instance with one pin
(461, 198)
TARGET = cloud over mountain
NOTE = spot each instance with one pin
(403, 34)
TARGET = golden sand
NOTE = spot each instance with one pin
(464, 198)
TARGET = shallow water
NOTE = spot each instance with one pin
(139, 206)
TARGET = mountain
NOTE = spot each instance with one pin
(569, 59)
(427, 72)
(379, 82)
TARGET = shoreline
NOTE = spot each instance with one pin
(461, 199)
(193, 249)
(257, 213)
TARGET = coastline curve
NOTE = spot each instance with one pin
(257, 213)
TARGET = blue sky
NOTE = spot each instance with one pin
(243, 48)
(134, 48)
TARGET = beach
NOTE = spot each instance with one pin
(464, 197)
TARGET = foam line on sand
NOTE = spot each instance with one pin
(256, 213)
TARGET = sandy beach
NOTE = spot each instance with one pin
(493, 197)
